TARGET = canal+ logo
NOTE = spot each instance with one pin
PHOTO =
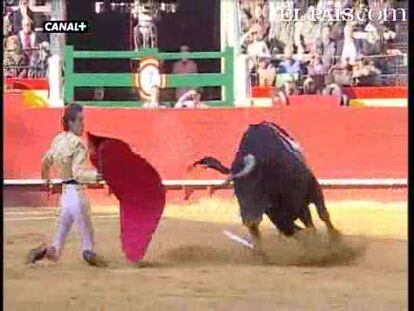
(66, 27)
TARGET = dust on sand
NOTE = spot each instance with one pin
(192, 265)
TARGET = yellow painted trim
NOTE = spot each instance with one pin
(35, 98)
(379, 102)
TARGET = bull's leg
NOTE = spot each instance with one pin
(288, 228)
(318, 200)
(282, 223)
(254, 233)
(306, 218)
(325, 217)
(257, 241)
(297, 228)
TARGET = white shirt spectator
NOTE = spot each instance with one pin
(190, 99)
(27, 36)
(349, 50)
(258, 48)
(28, 41)
(255, 48)
(252, 39)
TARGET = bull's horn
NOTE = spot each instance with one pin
(249, 164)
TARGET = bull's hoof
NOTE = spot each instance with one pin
(335, 235)
(259, 253)
(303, 238)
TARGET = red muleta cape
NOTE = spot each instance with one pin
(137, 186)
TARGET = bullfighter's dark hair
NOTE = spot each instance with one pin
(70, 113)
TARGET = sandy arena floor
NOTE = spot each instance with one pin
(192, 265)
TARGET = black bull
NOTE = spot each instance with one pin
(271, 177)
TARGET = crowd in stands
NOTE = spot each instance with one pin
(26, 51)
(304, 56)
(313, 55)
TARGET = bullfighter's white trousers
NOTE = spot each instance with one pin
(74, 208)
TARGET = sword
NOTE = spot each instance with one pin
(238, 239)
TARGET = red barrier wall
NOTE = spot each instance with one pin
(372, 92)
(339, 142)
(27, 84)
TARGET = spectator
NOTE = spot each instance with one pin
(316, 66)
(137, 37)
(245, 15)
(283, 33)
(23, 12)
(99, 93)
(37, 22)
(255, 47)
(191, 99)
(309, 86)
(377, 8)
(266, 72)
(372, 44)
(276, 46)
(145, 29)
(14, 58)
(290, 65)
(358, 67)
(307, 31)
(340, 74)
(337, 31)
(7, 24)
(388, 34)
(336, 90)
(287, 89)
(349, 50)
(315, 82)
(184, 66)
(266, 10)
(39, 61)
(365, 73)
(362, 11)
(260, 19)
(326, 47)
(27, 36)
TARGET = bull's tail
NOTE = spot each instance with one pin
(319, 201)
(212, 163)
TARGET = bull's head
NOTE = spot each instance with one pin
(249, 163)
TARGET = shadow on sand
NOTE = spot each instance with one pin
(317, 250)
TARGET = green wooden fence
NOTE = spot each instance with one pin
(73, 79)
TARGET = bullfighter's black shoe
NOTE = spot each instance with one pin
(93, 259)
(37, 254)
